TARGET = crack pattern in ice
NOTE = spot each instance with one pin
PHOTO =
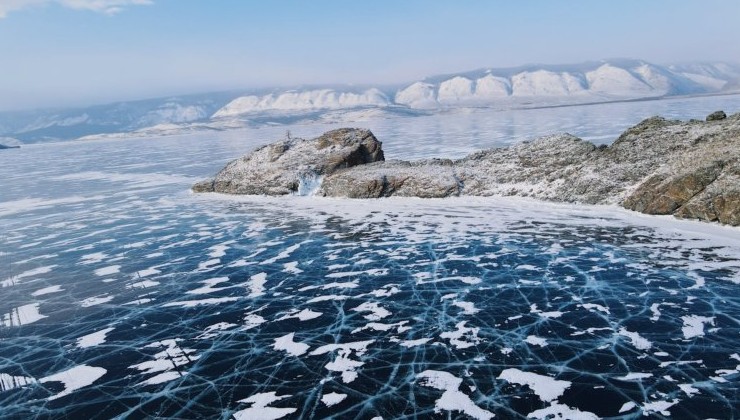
(154, 304)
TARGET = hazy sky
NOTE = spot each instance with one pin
(76, 52)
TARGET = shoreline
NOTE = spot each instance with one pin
(520, 209)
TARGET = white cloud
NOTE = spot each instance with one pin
(108, 7)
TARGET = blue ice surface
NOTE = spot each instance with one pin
(125, 295)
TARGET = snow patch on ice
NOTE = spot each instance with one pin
(551, 314)
(260, 409)
(594, 306)
(74, 379)
(326, 297)
(23, 315)
(342, 362)
(467, 307)
(107, 271)
(256, 285)
(414, 343)
(376, 311)
(8, 382)
(452, 398)
(194, 303)
(282, 255)
(660, 407)
(638, 341)
(253, 321)
(634, 376)
(48, 290)
(693, 325)
(463, 337)
(95, 300)
(167, 362)
(536, 341)
(293, 348)
(292, 268)
(303, 315)
(209, 286)
(562, 411)
(93, 339)
(545, 387)
(333, 398)
(213, 330)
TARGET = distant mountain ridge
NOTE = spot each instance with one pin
(599, 81)
(523, 86)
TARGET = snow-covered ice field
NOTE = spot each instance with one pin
(123, 294)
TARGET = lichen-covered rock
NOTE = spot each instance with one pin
(688, 169)
(292, 165)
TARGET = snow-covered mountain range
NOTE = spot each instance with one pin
(525, 86)
(588, 82)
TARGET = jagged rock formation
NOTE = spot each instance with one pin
(294, 165)
(688, 169)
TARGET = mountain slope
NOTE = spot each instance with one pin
(43, 125)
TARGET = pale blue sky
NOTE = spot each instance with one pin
(76, 52)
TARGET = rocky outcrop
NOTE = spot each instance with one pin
(688, 169)
(295, 165)
(706, 191)
(2, 146)
(434, 178)
(716, 116)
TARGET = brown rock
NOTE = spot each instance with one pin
(663, 195)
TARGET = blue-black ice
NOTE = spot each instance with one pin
(250, 308)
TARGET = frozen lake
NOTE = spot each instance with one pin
(123, 294)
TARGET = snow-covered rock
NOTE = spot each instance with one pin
(688, 169)
(295, 166)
